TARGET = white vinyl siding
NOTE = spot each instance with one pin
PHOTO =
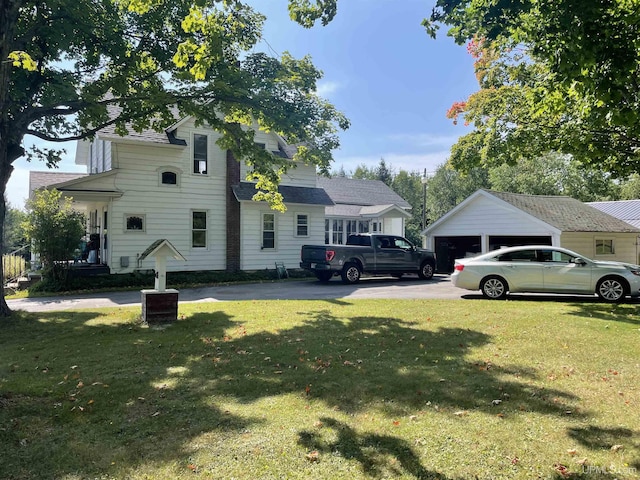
(287, 243)
(168, 210)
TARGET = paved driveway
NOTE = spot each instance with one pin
(376, 287)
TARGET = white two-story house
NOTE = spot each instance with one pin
(179, 185)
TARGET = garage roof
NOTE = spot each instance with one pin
(565, 213)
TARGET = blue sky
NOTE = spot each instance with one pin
(381, 69)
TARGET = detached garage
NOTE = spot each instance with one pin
(488, 220)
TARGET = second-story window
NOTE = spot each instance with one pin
(169, 178)
(200, 153)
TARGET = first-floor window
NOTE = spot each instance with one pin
(302, 225)
(327, 230)
(134, 223)
(338, 228)
(604, 247)
(268, 230)
(352, 227)
(363, 226)
(198, 229)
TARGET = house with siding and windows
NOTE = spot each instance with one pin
(362, 206)
(180, 186)
(487, 220)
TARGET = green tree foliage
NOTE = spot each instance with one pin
(14, 236)
(554, 174)
(409, 186)
(448, 187)
(70, 68)
(630, 189)
(560, 75)
(54, 230)
(381, 172)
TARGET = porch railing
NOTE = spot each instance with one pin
(14, 267)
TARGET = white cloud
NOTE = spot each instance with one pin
(409, 162)
(425, 139)
(325, 89)
(17, 189)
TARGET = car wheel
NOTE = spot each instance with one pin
(494, 288)
(324, 277)
(351, 273)
(611, 289)
(426, 271)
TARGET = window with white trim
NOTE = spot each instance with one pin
(200, 147)
(327, 230)
(134, 223)
(198, 229)
(302, 225)
(605, 246)
(338, 229)
(268, 231)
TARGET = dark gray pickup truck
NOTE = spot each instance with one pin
(376, 254)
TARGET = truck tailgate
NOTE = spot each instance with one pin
(314, 253)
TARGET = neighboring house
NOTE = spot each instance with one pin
(180, 186)
(487, 220)
(362, 206)
(626, 210)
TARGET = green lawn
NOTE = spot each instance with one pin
(324, 390)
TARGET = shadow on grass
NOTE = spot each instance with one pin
(94, 396)
(622, 313)
(370, 450)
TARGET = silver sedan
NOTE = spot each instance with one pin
(544, 269)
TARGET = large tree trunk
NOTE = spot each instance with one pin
(10, 139)
(5, 173)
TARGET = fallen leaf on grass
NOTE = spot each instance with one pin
(313, 456)
(561, 469)
(617, 448)
(461, 413)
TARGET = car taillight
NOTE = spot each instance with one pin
(458, 267)
(329, 254)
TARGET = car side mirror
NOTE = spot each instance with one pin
(579, 261)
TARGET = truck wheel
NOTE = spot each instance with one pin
(351, 273)
(426, 271)
(324, 277)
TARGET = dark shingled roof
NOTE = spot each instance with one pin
(44, 179)
(351, 191)
(565, 213)
(302, 195)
